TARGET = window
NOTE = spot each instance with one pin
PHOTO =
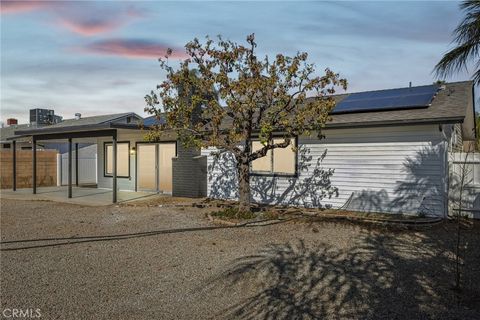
(6, 145)
(123, 159)
(280, 161)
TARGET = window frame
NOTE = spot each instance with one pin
(107, 143)
(272, 173)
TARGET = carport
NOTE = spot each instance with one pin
(73, 134)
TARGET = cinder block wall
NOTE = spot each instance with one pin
(189, 173)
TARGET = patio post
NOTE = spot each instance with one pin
(69, 167)
(76, 164)
(14, 165)
(34, 165)
(114, 169)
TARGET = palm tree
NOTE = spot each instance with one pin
(467, 38)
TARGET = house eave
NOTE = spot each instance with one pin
(448, 120)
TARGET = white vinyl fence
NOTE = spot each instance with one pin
(87, 166)
(468, 166)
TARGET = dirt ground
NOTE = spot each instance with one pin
(144, 262)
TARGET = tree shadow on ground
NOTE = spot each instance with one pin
(381, 275)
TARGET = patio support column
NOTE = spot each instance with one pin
(114, 169)
(14, 165)
(70, 167)
(76, 164)
(34, 165)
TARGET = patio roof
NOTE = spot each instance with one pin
(78, 131)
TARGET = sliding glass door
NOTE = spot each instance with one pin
(146, 167)
(154, 166)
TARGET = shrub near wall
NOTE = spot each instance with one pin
(46, 168)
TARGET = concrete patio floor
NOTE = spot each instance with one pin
(80, 195)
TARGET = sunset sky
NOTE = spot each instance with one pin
(101, 57)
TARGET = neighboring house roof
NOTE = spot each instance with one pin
(8, 132)
(86, 124)
(93, 120)
(153, 120)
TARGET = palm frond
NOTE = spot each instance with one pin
(467, 38)
(456, 59)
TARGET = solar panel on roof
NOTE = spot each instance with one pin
(150, 121)
(393, 99)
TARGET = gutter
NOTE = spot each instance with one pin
(449, 120)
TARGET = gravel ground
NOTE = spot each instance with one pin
(171, 263)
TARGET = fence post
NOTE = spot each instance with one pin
(59, 169)
(34, 165)
(14, 165)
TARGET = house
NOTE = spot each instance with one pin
(39, 117)
(384, 151)
(8, 132)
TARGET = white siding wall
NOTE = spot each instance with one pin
(122, 183)
(391, 169)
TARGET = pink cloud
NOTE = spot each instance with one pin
(20, 6)
(83, 18)
(89, 27)
(134, 49)
(89, 20)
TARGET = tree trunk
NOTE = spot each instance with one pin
(243, 169)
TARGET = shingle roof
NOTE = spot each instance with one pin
(449, 104)
(91, 120)
(8, 132)
(102, 122)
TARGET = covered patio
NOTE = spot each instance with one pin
(80, 195)
(73, 135)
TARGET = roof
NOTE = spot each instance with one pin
(450, 105)
(83, 124)
(91, 120)
(153, 120)
(8, 132)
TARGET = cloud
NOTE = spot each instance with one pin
(133, 48)
(90, 20)
(83, 18)
(89, 27)
(18, 6)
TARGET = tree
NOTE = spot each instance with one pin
(467, 39)
(236, 96)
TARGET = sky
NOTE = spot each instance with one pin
(99, 57)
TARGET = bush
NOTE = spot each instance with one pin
(234, 213)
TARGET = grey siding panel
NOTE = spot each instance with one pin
(395, 169)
